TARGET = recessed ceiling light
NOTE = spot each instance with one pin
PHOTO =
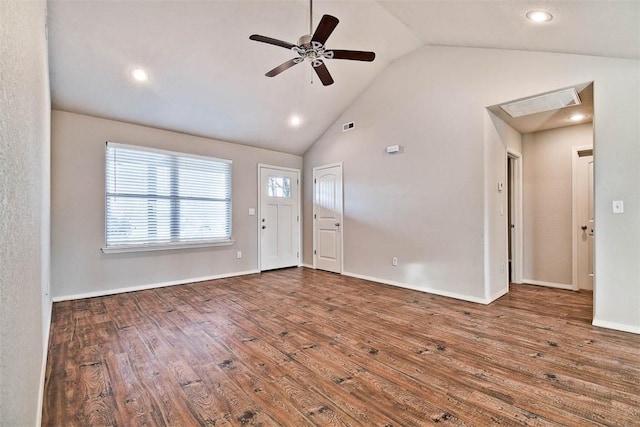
(539, 16)
(577, 117)
(139, 74)
(295, 120)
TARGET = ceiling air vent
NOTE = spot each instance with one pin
(540, 103)
(348, 126)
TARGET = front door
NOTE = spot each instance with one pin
(327, 215)
(279, 217)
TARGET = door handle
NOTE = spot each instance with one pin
(337, 224)
(584, 228)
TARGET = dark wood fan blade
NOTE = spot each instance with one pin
(280, 68)
(326, 26)
(355, 55)
(323, 74)
(269, 40)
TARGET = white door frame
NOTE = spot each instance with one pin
(515, 188)
(331, 165)
(259, 211)
(574, 215)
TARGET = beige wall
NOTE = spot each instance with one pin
(429, 205)
(24, 209)
(547, 202)
(78, 265)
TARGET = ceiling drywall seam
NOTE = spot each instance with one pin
(423, 43)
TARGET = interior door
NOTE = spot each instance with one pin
(586, 223)
(327, 215)
(279, 218)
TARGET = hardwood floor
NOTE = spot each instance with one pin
(301, 347)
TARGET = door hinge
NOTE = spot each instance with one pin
(315, 216)
(298, 218)
(297, 254)
(298, 181)
(315, 181)
(314, 251)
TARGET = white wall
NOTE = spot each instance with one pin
(78, 202)
(24, 209)
(427, 206)
(547, 202)
(498, 138)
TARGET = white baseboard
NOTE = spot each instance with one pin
(43, 368)
(617, 326)
(547, 284)
(307, 266)
(419, 288)
(497, 295)
(151, 286)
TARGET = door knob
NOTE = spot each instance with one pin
(264, 226)
(337, 224)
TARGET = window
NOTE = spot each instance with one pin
(279, 186)
(160, 199)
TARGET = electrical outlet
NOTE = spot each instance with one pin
(394, 261)
(239, 254)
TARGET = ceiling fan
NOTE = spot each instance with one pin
(312, 48)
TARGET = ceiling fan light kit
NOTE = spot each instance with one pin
(312, 48)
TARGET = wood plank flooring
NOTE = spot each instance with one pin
(300, 347)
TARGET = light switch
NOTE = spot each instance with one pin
(252, 211)
(617, 206)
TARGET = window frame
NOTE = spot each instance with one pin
(150, 246)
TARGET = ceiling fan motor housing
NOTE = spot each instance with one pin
(304, 40)
(312, 50)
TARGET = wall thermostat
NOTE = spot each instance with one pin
(392, 149)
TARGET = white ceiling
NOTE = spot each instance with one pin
(207, 77)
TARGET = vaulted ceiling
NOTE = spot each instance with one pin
(207, 78)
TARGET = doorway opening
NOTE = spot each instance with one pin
(514, 215)
(552, 242)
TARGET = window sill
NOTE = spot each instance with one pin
(165, 247)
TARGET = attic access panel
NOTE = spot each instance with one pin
(541, 103)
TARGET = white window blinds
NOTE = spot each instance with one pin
(162, 198)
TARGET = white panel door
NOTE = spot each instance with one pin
(586, 222)
(279, 218)
(327, 214)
